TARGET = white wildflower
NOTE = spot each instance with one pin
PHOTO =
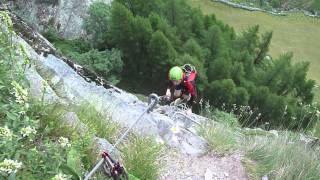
(6, 133)
(175, 129)
(27, 131)
(207, 105)
(201, 101)
(9, 166)
(318, 113)
(19, 92)
(64, 142)
(60, 176)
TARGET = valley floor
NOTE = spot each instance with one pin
(295, 33)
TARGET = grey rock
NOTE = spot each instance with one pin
(114, 103)
(65, 15)
(39, 89)
(71, 120)
(208, 175)
(103, 145)
(121, 106)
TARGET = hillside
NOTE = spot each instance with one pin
(293, 33)
(61, 105)
(218, 148)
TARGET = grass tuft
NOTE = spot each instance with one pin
(221, 137)
(282, 157)
(141, 157)
(102, 126)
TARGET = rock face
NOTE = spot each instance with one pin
(39, 88)
(121, 106)
(70, 84)
(65, 15)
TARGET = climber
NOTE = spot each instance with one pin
(181, 85)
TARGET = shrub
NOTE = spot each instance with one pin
(315, 6)
(27, 151)
(24, 152)
(107, 64)
(276, 3)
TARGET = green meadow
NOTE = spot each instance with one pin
(295, 32)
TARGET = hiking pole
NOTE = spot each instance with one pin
(152, 102)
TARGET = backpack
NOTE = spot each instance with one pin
(190, 73)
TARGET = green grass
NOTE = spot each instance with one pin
(139, 153)
(278, 157)
(220, 136)
(103, 127)
(82, 153)
(141, 156)
(295, 32)
(316, 132)
(277, 154)
(282, 157)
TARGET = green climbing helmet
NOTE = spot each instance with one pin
(175, 73)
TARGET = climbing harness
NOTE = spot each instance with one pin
(113, 168)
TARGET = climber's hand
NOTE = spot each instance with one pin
(186, 97)
(178, 101)
(165, 100)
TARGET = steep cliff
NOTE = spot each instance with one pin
(64, 15)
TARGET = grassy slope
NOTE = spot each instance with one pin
(295, 32)
(277, 154)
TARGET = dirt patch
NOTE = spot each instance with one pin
(210, 167)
